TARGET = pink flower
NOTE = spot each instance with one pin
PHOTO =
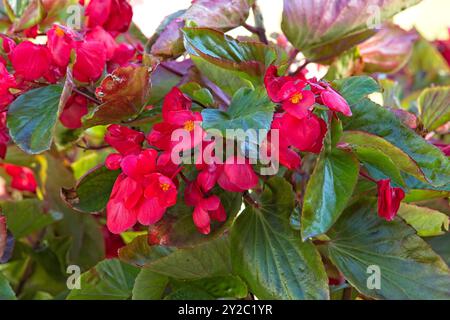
(140, 194)
(75, 108)
(99, 34)
(237, 175)
(30, 61)
(4, 135)
(177, 115)
(389, 199)
(60, 43)
(90, 62)
(205, 208)
(112, 15)
(7, 81)
(305, 134)
(289, 91)
(124, 140)
(22, 178)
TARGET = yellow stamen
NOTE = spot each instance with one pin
(59, 32)
(296, 98)
(164, 186)
(189, 125)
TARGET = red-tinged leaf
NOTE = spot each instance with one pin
(33, 14)
(387, 51)
(222, 15)
(123, 93)
(324, 28)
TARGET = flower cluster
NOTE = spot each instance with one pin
(298, 126)
(148, 183)
(86, 52)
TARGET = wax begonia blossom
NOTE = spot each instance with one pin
(30, 61)
(60, 43)
(112, 15)
(389, 199)
(7, 81)
(124, 140)
(4, 135)
(177, 115)
(205, 208)
(290, 92)
(140, 194)
(75, 108)
(99, 34)
(90, 60)
(22, 178)
(237, 175)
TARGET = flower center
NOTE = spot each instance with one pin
(59, 32)
(164, 186)
(189, 125)
(296, 98)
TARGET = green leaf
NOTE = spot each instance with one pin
(6, 292)
(427, 222)
(249, 109)
(249, 58)
(108, 280)
(441, 245)
(372, 118)
(434, 107)
(27, 216)
(32, 118)
(222, 287)
(354, 89)
(91, 194)
(361, 141)
(87, 247)
(32, 15)
(230, 81)
(207, 259)
(270, 256)
(409, 269)
(323, 30)
(149, 285)
(328, 191)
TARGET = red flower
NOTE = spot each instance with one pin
(299, 102)
(90, 62)
(177, 114)
(124, 140)
(113, 243)
(237, 175)
(60, 44)
(22, 178)
(7, 82)
(123, 54)
(289, 91)
(31, 32)
(112, 15)
(205, 209)
(30, 61)
(305, 134)
(389, 199)
(75, 108)
(139, 194)
(99, 34)
(4, 135)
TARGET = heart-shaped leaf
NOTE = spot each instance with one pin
(366, 248)
(32, 118)
(328, 191)
(270, 256)
(434, 107)
(91, 194)
(372, 118)
(323, 29)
